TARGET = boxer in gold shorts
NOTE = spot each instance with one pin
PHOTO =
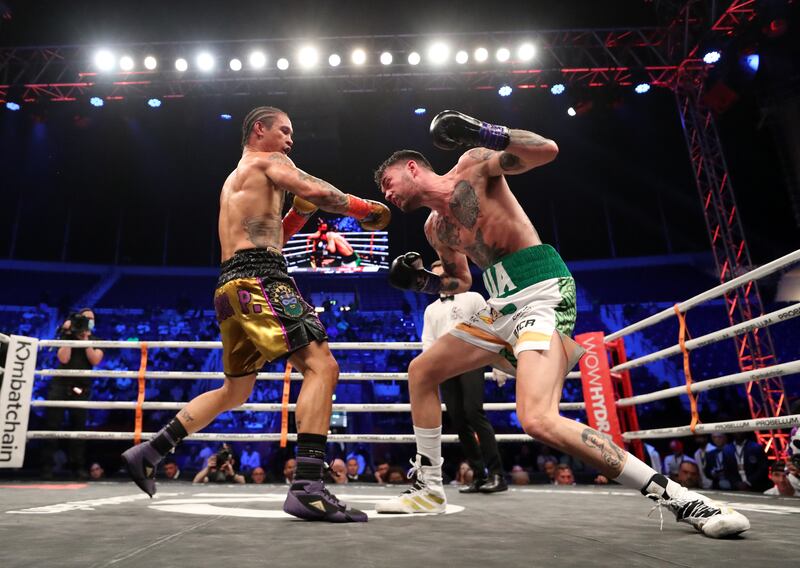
(261, 314)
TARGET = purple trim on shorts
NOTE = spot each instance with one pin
(274, 313)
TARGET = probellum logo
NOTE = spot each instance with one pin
(15, 399)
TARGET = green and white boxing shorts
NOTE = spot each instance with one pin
(531, 296)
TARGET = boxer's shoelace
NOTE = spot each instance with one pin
(683, 508)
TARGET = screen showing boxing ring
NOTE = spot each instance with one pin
(338, 245)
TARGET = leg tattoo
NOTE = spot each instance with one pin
(612, 454)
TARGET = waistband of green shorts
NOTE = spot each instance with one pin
(524, 268)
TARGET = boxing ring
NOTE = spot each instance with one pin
(579, 525)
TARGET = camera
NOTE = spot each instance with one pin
(78, 323)
(223, 456)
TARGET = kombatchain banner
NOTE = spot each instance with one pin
(15, 399)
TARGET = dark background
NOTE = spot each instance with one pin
(128, 184)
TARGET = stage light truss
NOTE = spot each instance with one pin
(590, 58)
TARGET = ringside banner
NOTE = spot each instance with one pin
(598, 391)
(15, 399)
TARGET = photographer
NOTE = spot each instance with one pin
(78, 327)
(219, 468)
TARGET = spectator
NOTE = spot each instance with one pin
(519, 476)
(396, 476)
(220, 469)
(382, 472)
(545, 455)
(337, 472)
(780, 478)
(352, 473)
(550, 470)
(653, 458)
(289, 469)
(701, 458)
(715, 469)
(745, 464)
(170, 470)
(672, 462)
(251, 459)
(689, 474)
(564, 475)
(96, 472)
(258, 475)
(464, 475)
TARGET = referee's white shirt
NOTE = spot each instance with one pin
(441, 317)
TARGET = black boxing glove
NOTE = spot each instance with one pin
(451, 130)
(408, 273)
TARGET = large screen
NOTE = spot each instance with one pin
(338, 245)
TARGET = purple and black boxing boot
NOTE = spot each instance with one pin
(310, 500)
(141, 462)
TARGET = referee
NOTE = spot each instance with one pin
(463, 394)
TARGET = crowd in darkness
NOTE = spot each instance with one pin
(705, 462)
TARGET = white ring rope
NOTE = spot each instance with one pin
(354, 346)
(783, 314)
(755, 274)
(772, 423)
(781, 370)
(268, 407)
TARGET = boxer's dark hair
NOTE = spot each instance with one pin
(401, 156)
(264, 114)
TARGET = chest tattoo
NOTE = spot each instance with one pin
(464, 204)
(447, 232)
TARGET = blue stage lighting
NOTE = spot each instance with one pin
(225, 117)
(96, 102)
(558, 88)
(504, 91)
(642, 88)
(712, 57)
(12, 106)
(752, 61)
(419, 111)
(154, 103)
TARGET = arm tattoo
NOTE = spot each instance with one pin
(480, 154)
(509, 162)
(449, 280)
(483, 254)
(332, 200)
(464, 204)
(186, 416)
(611, 453)
(262, 231)
(527, 138)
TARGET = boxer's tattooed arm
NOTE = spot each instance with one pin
(329, 199)
(484, 254)
(509, 162)
(480, 154)
(186, 416)
(262, 231)
(449, 283)
(464, 204)
(612, 454)
(527, 138)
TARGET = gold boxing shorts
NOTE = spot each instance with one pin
(260, 312)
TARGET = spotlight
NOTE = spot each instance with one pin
(150, 63)
(359, 56)
(154, 103)
(205, 61)
(503, 54)
(12, 105)
(414, 58)
(438, 53)
(386, 58)
(257, 59)
(752, 61)
(420, 111)
(462, 57)
(571, 111)
(283, 64)
(181, 64)
(641, 88)
(481, 54)
(225, 117)
(126, 63)
(526, 52)
(104, 60)
(558, 88)
(712, 57)
(308, 57)
(96, 102)
(504, 91)
(334, 60)
(235, 64)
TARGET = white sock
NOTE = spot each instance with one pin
(635, 473)
(429, 444)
